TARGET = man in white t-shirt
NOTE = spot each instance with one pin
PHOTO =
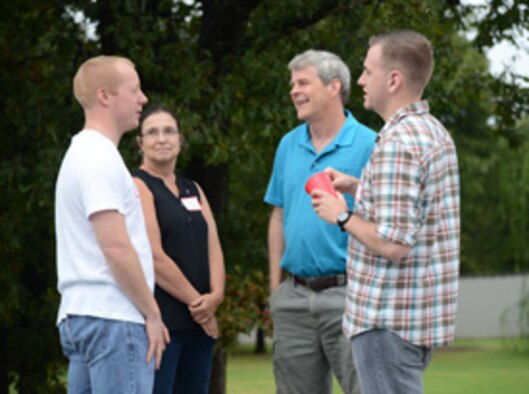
(110, 325)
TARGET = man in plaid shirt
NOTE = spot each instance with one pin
(403, 258)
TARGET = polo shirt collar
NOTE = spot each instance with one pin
(343, 138)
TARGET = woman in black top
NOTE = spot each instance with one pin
(188, 258)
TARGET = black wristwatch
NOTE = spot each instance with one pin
(343, 218)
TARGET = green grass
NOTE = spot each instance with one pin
(467, 367)
(484, 367)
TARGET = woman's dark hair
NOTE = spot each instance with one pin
(154, 109)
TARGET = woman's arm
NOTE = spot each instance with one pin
(168, 275)
(203, 308)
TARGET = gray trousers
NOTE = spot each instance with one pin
(308, 343)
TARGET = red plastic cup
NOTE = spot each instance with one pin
(320, 180)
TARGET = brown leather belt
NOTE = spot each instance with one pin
(319, 283)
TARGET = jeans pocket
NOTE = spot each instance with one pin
(411, 355)
(65, 339)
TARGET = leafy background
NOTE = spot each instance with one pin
(222, 65)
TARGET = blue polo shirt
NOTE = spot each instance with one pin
(313, 246)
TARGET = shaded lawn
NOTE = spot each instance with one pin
(467, 367)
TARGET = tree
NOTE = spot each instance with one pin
(222, 64)
(34, 112)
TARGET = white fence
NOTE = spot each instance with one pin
(489, 306)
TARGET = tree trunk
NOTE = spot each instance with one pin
(260, 347)
(4, 382)
(217, 382)
(214, 181)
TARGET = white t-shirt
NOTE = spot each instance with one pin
(94, 178)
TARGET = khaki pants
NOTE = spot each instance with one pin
(308, 341)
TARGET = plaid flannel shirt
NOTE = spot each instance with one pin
(410, 190)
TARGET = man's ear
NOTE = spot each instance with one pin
(395, 81)
(335, 87)
(102, 96)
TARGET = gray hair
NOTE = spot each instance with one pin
(328, 67)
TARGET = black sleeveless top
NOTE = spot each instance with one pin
(184, 236)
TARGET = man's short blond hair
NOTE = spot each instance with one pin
(94, 73)
(410, 52)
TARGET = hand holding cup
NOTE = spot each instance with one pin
(322, 181)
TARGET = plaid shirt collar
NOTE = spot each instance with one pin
(416, 108)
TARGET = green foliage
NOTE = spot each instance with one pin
(36, 118)
(244, 305)
(495, 197)
(501, 20)
(222, 66)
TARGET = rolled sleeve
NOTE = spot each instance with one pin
(396, 191)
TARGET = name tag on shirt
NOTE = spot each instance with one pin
(191, 203)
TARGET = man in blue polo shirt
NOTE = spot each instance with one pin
(307, 307)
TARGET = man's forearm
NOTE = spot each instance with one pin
(275, 253)
(365, 232)
(111, 233)
(274, 272)
(276, 247)
(126, 269)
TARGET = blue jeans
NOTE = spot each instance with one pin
(186, 364)
(106, 356)
(387, 364)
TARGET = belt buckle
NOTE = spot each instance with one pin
(313, 283)
(317, 284)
